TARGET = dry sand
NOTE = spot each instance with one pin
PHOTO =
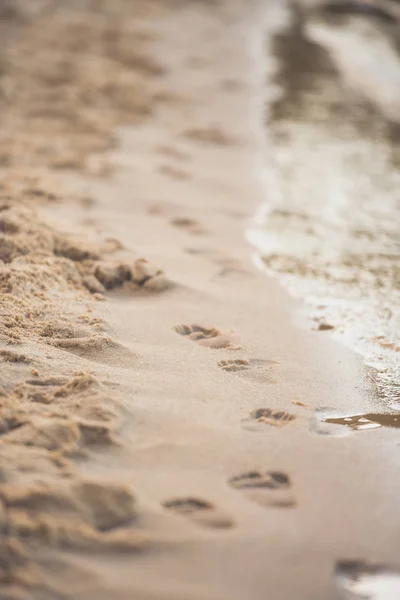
(157, 391)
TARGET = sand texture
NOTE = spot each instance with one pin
(163, 424)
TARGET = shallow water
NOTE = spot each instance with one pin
(333, 423)
(330, 229)
(359, 580)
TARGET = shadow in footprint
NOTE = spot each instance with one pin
(260, 417)
(173, 152)
(211, 338)
(267, 488)
(211, 135)
(174, 172)
(244, 364)
(232, 366)
(200, 512)
(189, 225)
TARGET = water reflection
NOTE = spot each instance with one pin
(330, 423)
(366, 421)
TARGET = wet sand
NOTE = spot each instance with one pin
(158, 391)
(329, 228)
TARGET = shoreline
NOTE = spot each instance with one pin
(178, 374)
(328, 230)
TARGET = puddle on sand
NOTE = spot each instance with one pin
(371, 582)
(326, 423)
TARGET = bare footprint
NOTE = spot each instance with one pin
(231, 366)
(268, 488)
(199, 251)
(231, 85)
(261, 417)
(252, 366)
(211, 338)
(200, 512)
(189, 225)
(173, 152)
(174, 172)
(229, 266)
(210, 135)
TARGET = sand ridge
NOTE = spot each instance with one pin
(56, 112)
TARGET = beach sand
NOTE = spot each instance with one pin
(158, 391)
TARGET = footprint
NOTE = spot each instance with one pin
(199, 251)
(229, 266)
(268, 488)
(173, 152)
(234, 365)
(260, 417)
(173, 172)
(210, 135)
(211, 338)
(231, 85)
(198, 61)
(254, 368)
(190, 225)
(228, 271)
(199, 511)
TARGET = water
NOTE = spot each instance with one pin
(370, 582)
(330, 229)
(332, 423)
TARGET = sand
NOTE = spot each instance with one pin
(158, 391)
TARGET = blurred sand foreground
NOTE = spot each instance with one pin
(156, 390)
